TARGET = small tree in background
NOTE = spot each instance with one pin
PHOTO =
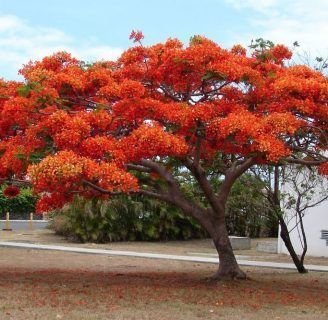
(290, 192)
(302, 190)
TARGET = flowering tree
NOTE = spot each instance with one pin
(139, 123)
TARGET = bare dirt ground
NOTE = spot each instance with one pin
(58, 285)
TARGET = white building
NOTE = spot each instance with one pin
(316, 230)
(315, 218)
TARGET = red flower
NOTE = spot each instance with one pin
(11, 191)
(136, 36)
(323, 169)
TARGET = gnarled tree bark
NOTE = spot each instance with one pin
(211, 219)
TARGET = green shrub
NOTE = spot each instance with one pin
(248, 212)
(130, 218)
(123, 218)
(20, 206)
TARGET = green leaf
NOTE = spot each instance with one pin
(20, 156)
(24, 91)
(214, 75)
(36, 157)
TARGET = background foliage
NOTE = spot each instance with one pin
(20, 206)
(248, 211)
(139, 218)
(124, 218)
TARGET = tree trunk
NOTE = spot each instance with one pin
(211, 219)
(285, 237)
(228, 266)
(284, 233)
(303, 237)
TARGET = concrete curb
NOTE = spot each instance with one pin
(20, 225)
(264, 264)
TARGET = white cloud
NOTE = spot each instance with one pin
(97, 52)
(9, 22)
(257, 5)
(21, 42)
(304, 21)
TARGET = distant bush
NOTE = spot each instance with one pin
(20, 206)
(248, 212)
(123, 218)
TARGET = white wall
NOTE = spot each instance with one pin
(315, 220)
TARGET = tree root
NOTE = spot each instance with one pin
(230, 275)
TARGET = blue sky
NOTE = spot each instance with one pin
(99, 29)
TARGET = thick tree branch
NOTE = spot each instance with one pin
(307, 162)
(169, 94)
(174, 195)
(201, 178)
(232, 174)
(161, 196)
(165, 174)
(99, 189)
(137, 167)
